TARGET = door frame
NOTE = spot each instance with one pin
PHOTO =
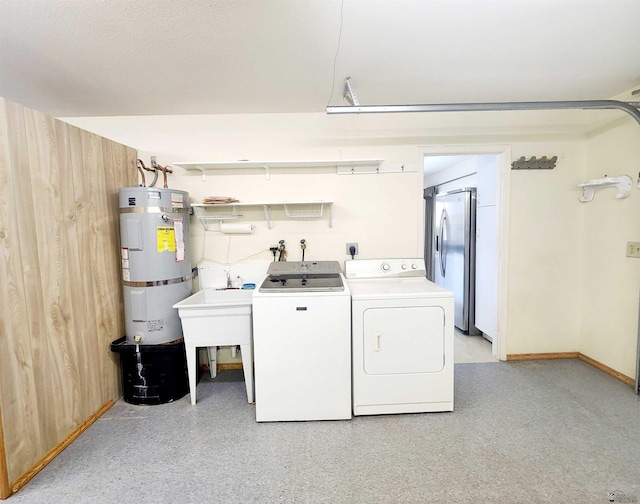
(499, 346)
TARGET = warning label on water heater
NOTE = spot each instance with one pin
(126, 273)
(166, 239)
(178, 227)
(177, 200)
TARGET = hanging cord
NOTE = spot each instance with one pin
(228, 249)
(204, 258)
(335, 58)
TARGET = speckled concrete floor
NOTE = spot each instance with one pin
(471, 349)
(523, 432)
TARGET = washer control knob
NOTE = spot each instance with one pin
(404, 266)
(414, 266)
(385, 267)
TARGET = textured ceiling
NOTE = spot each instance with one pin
(125, 57)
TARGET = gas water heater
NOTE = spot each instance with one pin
(156, 266)
(156, 274)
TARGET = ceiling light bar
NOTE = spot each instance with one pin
(487, 107)
(349, 93)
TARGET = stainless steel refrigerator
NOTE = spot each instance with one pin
(454, 250)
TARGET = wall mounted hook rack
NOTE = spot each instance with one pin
(534, 163)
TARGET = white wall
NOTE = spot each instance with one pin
(609, 325)
(546, 299)
(545, 250)
(379, 212)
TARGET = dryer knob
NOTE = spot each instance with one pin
(385, 267)
(404, 266)
(414, 266)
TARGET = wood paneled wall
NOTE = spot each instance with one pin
(60, 291)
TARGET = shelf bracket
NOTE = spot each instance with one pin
(267, 175)
(621, 183)
(349, 93)
(267, 217)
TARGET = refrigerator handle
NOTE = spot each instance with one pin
(442, 252)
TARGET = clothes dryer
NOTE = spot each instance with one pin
(402, 338)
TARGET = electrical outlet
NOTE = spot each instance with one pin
(633, 249)
(354, 245)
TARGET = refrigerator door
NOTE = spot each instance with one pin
(453, 250)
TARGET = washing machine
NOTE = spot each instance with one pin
(402, 338)
(302, 343)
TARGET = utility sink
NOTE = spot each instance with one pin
(216, 297)
(212, 318)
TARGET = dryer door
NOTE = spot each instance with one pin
(402, 340)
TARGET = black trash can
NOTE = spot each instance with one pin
(152, 374)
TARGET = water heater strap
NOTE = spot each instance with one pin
(140, 209)
(157, 283)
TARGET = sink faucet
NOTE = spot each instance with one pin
(228, 280)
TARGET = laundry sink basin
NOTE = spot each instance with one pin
(212, 318)
(216, 297)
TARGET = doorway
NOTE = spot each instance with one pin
(486, 169)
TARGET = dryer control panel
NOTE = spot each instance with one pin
(385, 268)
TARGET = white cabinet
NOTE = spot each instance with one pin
(487, 261)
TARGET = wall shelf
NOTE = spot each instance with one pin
(338, 164)
(210, 214)
(621, 183)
